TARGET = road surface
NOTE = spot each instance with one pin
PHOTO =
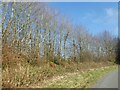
(110, 80)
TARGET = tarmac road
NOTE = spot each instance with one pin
(110, 80)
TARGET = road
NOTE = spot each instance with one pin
(110, 80)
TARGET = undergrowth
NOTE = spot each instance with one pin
(27, 75)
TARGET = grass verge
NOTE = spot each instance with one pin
(48, 74)
(80, 79)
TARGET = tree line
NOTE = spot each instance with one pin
(38, 33)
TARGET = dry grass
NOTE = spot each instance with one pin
(26, 75)
(83, 79)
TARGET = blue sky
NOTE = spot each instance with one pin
(96, 17)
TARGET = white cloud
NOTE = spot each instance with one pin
(109, 12)
(108, 20)
(111, 16)
(111, 20)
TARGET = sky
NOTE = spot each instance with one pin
(95, 16)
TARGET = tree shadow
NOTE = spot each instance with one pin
(118, 52)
